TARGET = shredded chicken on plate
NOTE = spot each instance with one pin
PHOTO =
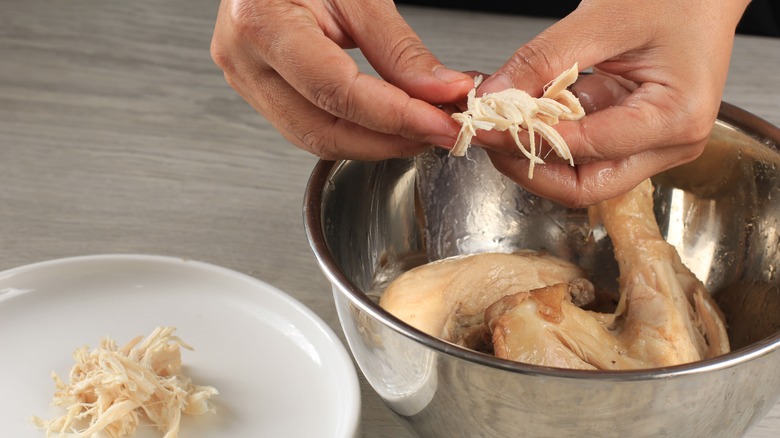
(110, 389)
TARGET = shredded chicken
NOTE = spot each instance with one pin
(665, 316)
(110, 388)
(515, 111)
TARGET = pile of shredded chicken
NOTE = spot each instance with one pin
(515, 111)
(110, 389)
(528, 307)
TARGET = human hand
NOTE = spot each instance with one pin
(659, 72)
(287, 59)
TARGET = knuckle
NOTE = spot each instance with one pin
(697, 129)
(690, 153)
(221, 57)
(407, 51)
(533, 61)
(587, 149)
(396, 119)
(255, 23)
(319, 142)
(335, 98)
(693, 122)
(237, 21)
(244, 17)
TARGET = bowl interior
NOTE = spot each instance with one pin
(721, 211)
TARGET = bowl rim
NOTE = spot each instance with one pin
(313, 225)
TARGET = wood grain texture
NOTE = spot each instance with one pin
(118, 134)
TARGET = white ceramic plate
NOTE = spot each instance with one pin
(280, 370)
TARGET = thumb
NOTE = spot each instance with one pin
(587, 36)
(400, 57)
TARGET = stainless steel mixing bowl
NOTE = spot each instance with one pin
(369, 221)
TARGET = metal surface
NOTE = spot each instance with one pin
(367, 222)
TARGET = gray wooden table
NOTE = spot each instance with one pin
(119, 135)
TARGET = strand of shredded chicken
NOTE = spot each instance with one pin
(514, 111)
(111, 388)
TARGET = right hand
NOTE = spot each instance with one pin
(660, 68)
(287, 59)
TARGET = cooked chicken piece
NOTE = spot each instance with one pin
(670, 317)
(515, 111)
(665, 315)
(544, 327)
(448, 298)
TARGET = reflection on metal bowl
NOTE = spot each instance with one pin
(369, 221)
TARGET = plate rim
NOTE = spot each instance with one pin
(351, 417)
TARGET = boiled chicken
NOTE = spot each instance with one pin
(665, 316)
(448, 298)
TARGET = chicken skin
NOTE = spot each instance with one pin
(665, 315)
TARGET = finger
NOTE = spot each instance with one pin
(590, 183)
(315, 130)
(656, 118)
(565, 43)
(318, 69)
(656, 115)
(398, 54)
(599, 90)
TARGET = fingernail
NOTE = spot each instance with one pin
(444, 141)
(446, 75)
(495, 83)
